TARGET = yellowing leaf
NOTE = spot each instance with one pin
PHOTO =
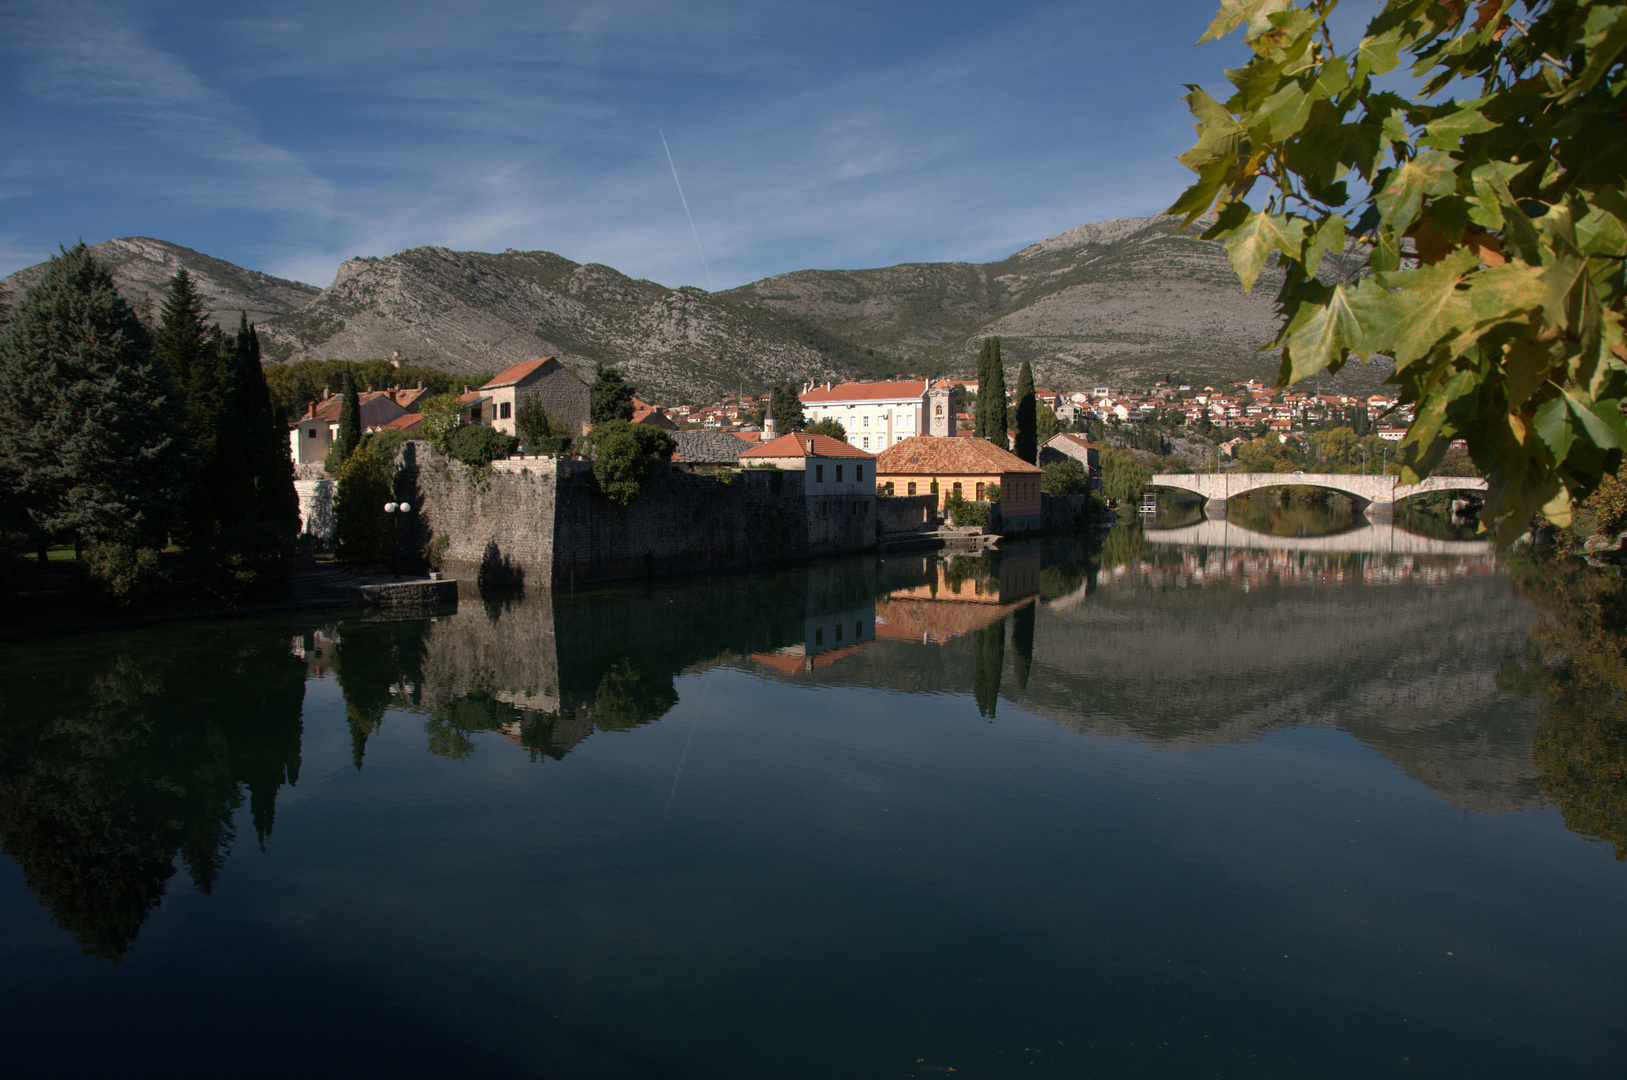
(1234, 13)
(1320, 334)
(1252, 242)
(1425, 306)
(1402, 197)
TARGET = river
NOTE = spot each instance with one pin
(1134, 806)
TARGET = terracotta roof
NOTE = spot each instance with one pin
(473, 397)
(867, 391)
(930, 455)
(515, 372)
(798, 444)
(405, 422)
(328, 408)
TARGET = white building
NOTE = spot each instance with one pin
(875, 415)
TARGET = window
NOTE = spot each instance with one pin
(311, 434)
(979, 491)
(938, 411)
(503, 411)
(474, 413)
(957, 489)
(867, 421)
(819, 636)
(838, 474)
(866, 442)
(819, 474)
(912, 487)
(858, 629)
(858, 473)
(838, 631)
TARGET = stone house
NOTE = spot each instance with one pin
(943, 467)
(839, 481)
(1069, 445)
(311, 436)
(563, 394)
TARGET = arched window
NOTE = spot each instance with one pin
(939, 410)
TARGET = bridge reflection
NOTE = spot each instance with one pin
(1368, 539)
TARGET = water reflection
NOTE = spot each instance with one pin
(115, 764)
(118, 763)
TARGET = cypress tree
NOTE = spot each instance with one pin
(1025, 442)
(980, 419)
(350, 417)
(991, 395)
(271, 460)
(91, 439)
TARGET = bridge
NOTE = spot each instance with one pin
(1364, 539)
(1374, 496)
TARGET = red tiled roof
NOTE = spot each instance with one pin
(515, 372)
(472, 397)
(797, 444)
(328, 408)
(404, 422)
(930, 455)
(867, 391)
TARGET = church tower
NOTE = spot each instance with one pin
(768, 421)
(940, 411)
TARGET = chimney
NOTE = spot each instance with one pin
(810, 446)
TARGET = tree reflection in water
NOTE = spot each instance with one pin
(113, 763)
(1578, 662)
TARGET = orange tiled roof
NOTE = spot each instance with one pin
(797, 444)
(931, 455)
(328, 408)
(867, 391)
(404, 422)
(515, 372)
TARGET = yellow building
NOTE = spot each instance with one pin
(944, 467)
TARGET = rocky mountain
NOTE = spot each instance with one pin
(467, 311)
(1120, 303)
(142, 268)
(1117, 303)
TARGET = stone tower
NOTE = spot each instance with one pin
(940, 411)
(768, 421)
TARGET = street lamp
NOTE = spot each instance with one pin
(396, 511)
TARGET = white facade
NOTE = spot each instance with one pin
(874, 415)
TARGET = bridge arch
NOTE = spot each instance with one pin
(1374, 496)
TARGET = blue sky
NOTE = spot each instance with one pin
(288, 137)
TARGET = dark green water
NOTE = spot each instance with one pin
(1128, 811)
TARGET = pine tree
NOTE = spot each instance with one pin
(90, 428)
(610, 397)
(350, 417)
(1025, 443)
(182, 337)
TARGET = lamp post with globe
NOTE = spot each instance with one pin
(396, 511)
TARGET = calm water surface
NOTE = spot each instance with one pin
(1136, 809)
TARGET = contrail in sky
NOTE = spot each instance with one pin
(693, 231)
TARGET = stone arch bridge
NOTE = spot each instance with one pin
(1375, 496)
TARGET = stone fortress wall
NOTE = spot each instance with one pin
(540, 521)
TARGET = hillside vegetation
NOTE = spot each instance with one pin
(1118, 303)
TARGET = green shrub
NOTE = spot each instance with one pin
(364, 532)
(967, 513)
(477, 444)
(624, 455)
(122, 574)
(553, 444)
(1067, 477)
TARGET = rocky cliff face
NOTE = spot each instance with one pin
(465, 311)
(142, 268)
(1119, 303)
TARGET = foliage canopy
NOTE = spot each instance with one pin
(1479, 242)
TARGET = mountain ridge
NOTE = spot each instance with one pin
(1121, 302)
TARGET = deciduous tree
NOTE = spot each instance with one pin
(1479, 241)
